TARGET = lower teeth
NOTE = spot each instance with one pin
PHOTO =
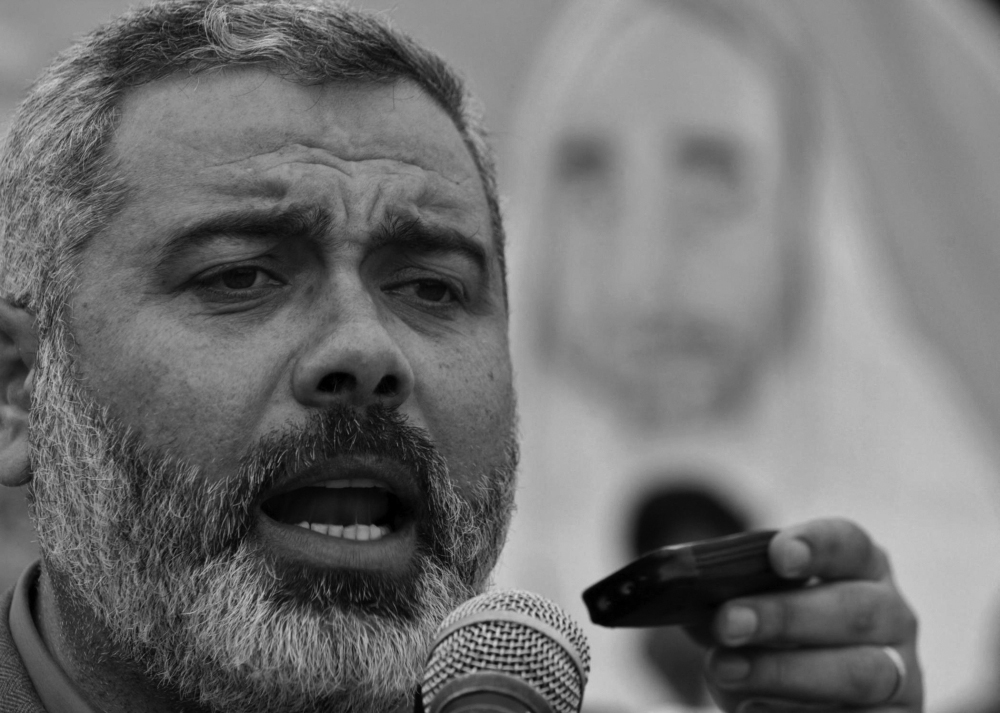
(348, 532)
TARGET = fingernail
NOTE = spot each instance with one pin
(739, 625)
(730, 668)
(795, 558)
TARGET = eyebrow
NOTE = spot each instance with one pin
(312, 224)
(416, 235)
(716, 151)
(287, 223)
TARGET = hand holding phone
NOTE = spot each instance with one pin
(685, 584)
(771, 642)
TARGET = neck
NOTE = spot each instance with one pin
(85, 651)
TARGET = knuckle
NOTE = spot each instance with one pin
(840, 541)
(863, 614)
(775, 673)
(863, 624)
(779, 620)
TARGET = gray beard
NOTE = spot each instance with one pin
(170, 568)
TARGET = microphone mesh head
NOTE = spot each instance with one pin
(556, 669)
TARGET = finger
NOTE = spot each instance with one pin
(835, 614)
(702, 633)
(828, 549)
(778, 706)
(848, 676)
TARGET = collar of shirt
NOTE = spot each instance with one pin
(52, 684)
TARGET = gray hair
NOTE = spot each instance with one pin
(58, 181)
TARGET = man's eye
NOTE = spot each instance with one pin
(237, 284)
(240, 278)
(433, 291)
(428, 291)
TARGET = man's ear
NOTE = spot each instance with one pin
(18, 346)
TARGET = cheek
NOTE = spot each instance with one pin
(185, 394)
(468, 405)
(759, 287)
(737, 277)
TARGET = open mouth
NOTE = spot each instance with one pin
(360, 509)
(349, 512)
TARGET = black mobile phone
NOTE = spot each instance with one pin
(685, 584)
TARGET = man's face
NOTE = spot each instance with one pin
(293, 340)
(665, 203)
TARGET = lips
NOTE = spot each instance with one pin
(347, 512)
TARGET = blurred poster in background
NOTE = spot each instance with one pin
(754, 255)
(726, 275)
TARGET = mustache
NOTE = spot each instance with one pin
(340, 431)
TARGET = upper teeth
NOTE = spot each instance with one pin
(352, 483)
(348, 532)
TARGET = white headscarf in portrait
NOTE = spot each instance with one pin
(886, 406)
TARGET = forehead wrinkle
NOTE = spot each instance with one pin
(409, 190)
(302, 153)
(250, 174)
(348, 153)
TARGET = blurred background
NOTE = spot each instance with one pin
(754, 256)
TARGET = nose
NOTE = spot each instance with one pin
(354, 362)
(649, 254)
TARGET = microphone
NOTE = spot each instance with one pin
(507, 651)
